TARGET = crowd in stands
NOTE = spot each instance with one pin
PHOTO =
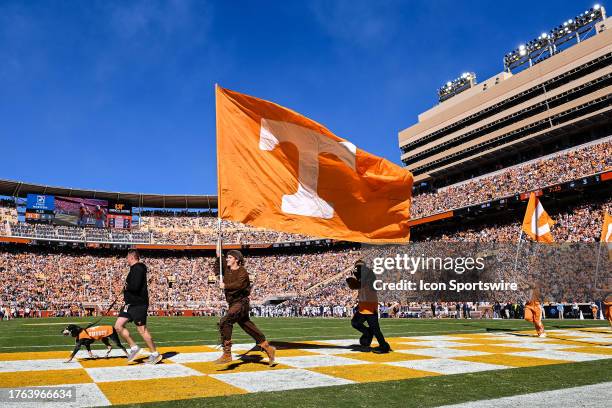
(72, 280)
(581, 223)
(7, 215)
(69, 281)
(565, 166)
(204, 230)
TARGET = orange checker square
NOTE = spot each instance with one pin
(236, 366)
(372, 372)
(34, 355)
(186, 349)
(510, 360)
(280, 353)
(385, 357)
(166, 389)
(591, 350)
(551, 340)
(44, 377)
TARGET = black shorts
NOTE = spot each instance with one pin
(135, 313)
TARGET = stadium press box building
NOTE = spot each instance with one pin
(556, 102)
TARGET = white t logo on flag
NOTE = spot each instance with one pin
(310, 144)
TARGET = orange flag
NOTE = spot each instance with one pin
(537, 223)
(280, 170)
(606, 233)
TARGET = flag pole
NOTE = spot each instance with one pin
(219, 240)
(220, 248)
(518, 246)
(537, 225)
(597, 265)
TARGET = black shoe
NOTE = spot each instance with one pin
(382, 349)
(365, 340)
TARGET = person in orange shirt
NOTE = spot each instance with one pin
(367, 309)
(607, 304)
(533, 310)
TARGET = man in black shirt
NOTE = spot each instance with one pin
(136, 297)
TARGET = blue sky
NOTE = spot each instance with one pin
(120, 95)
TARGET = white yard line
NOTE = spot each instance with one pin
(596, 396)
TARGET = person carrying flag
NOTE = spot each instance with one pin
(237, 287)
(533, 309)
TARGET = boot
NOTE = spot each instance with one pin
(226, 357)
(382, 349)
(366, 339)
(269, 350)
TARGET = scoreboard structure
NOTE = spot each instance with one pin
(119, 215)
(40, 208)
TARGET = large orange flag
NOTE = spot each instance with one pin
(606, 232)
(537, 223)
(280, 170)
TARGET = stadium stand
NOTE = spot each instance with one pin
(557, 168)
(80, 280)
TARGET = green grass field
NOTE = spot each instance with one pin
(45, 334)
(28, 335)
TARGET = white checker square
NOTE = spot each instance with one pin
(540, 345)
(100, 353)
(330, 350)
(318, 361)
(440, 344)
(597, 340)
(443, 352)
(434, 338)
(241, 346)
(87, 395)
(447, 366)
(561, 355)
(203, 357)
(37, 365)
(140, 372)
(345, 342)
(279, 380)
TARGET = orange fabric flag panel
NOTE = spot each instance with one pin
(606, 232)
(537, 223)
(280, 170)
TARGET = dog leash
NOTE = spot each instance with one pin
(101, 317)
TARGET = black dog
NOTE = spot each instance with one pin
(86, 337)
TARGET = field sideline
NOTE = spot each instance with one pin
(436, 362)
(44, 334)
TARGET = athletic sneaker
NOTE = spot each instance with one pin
(154, 358)
(132, 353)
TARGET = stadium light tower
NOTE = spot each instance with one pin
(452, 88)
(550, 43)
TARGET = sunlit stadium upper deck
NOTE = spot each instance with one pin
(562, 100)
